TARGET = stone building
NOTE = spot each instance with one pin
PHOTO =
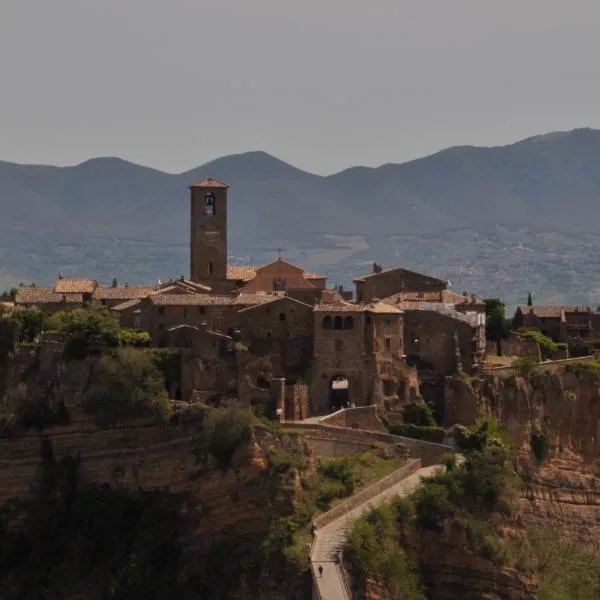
(241, 328)
(571, 324)
(358, 354)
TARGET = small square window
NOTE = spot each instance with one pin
(161, 326)
(388, 343)
(202, 309)
(161, 310)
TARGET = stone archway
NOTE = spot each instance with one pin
(339, 392)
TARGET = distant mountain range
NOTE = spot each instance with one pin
(496, 221)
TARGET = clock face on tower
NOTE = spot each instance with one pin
(209, 204)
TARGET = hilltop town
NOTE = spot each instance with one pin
(326, 347)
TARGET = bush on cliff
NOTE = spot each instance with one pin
(419, 432)
(223, 432)
(89, 331)
(124, 386)
(418, 413)
(372, 551)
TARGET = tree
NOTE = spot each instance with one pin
(89, 331)
(529, 300)
(9, 334)
(495, 319)
(124, 386)
(31, 321)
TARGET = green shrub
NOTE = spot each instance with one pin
(31, 321)
(124, 386)
(281, 535)
(540, 446)
(340, 470)
(546, 344)
(433, 506)
(418, 413)
(282, 461)
(372, 550)
(132, 337)
(168, 362)
(224, 431)
(88, 331)
(525, 365)
(583, 367)
(419, 432)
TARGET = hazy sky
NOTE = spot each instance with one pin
(323, 84)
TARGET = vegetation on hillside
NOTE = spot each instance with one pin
(453, 505)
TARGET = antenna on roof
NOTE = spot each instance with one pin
(279, 251)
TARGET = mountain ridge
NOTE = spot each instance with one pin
(135, 217)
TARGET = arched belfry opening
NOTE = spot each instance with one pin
(339, 392)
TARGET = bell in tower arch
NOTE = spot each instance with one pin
(209, 204)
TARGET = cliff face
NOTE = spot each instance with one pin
(229, 510)
(554, 419)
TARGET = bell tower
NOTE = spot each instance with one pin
(208, 241)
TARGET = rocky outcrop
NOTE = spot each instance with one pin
(554, 420)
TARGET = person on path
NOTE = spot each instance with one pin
(320, 570)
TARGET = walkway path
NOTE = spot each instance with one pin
(331, 538)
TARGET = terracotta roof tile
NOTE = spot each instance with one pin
(37, 295)
(75, 286)
(209, 182)
(342, 306)
(126, 305)
(553, 312)
(381, 307)
(241, 273)
(314, 276)
(255, 299)
(392, 269)
(122, 292)
(189, 300)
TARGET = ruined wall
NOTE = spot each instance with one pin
(519, 346)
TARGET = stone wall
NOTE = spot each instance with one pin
(362, 417)
(430, 453)
(519, 346)
(367, 494)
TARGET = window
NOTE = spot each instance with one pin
(185, 313)
(282, 316)
(209, 204)
(338, 345)
(337, 323)
(210, 267)
(348, 323)
(161, 326)
(161, 310)
(327, 323)
(388, 321)
(368, 320)
(388, 343)
(202, 309)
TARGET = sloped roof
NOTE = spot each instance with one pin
(127, 304)
(381, 307)
(394, 269)
(273, 300)
(122, 292)
(342, 306)
(241, 273)
(210, 182)
(247, 273)
(39, 295)
(189, 300)
(254, 299)
(75, 286)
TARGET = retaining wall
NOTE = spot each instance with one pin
(429, 452)
(363, 417)
(367, 494)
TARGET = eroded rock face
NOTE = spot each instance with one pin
(561, 410)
